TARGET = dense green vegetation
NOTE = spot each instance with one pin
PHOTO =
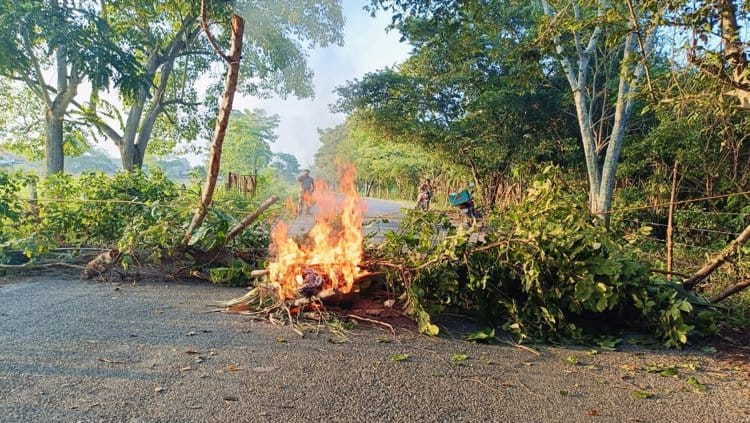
(571, 120)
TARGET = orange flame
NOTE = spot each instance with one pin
(333, 250)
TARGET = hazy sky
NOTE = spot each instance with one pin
(367, 47)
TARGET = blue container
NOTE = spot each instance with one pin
(458, 198)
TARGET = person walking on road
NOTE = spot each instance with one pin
(307, 187)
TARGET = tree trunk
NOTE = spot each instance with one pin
(585, 127)
(127, 144)
(54, 115)
(601, 178)
(623, 108)
(146, 126)
(214, 161)
(54, 143)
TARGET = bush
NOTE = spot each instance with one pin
(545, 267)
(13, 211)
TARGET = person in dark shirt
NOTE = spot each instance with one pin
(307, 187)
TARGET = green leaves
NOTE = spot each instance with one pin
(693, 382)
(484, 335)
(642, 394)
(399, 357)
(458, 358)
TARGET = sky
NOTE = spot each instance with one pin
(367, 47)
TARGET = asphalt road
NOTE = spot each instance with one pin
(76, 351)
(380, 217)
(150, 352)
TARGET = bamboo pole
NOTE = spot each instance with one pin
(670, 219)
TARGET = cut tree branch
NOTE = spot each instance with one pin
(211, 38)
(718, 261)
(731, 291)
(230, 87)
(237, 229)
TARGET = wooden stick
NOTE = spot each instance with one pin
(377, 322)
(322, 295)
(731, 291)
(717, 261)
(670, 219)
(30, 266)
(519, 346)
(238, 228)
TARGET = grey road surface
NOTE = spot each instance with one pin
(73, 351)
(380, 217)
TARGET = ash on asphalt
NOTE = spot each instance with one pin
(152, 352)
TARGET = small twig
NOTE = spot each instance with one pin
(485, 385)
(519, 346)
(107, 360)
(665, 272)
(373, 321)
(526, 388)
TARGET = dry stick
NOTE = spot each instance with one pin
(230, 86)
(28, 265)
(731, 291)
(373, 321)
(664, 272)
(238, 228)
(637, 27)
(486, 385)
(519, 346)
(717, 261)
(670, 219)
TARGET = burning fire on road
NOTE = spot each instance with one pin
(330, 257)
(325, 264)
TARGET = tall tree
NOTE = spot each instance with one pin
(160, 36)
(274, 61)
(583, 33)
(286, 166)
(247, 146)
(475, 87)
(73, 43)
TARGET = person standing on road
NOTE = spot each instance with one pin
(425, 195)
(307, 187)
